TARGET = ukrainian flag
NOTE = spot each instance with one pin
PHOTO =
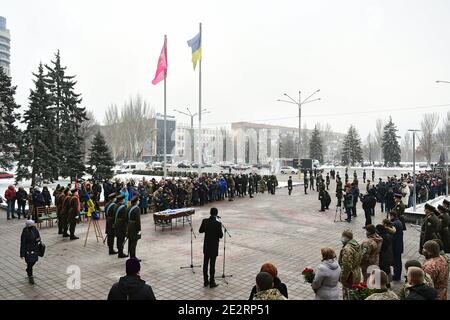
(196, 45)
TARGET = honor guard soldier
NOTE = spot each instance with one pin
(327, 178)
(444, 220)
(399, 209)
(109, 213)
(74, 213)
(373, 175)
(59, 209)
(134, 226)
(364, 176)
(65, 212)
(120, 224)
(430, 225)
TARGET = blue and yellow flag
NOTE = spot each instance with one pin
(196, 45)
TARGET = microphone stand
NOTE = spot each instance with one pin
(192, 251)
(224, 250)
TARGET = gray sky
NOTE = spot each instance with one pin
(363, 55)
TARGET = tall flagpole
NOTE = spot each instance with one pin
(165, 106)
(200, 142)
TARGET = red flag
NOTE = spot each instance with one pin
(161, 71)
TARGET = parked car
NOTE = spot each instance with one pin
(207, 165)
(183, 165)
(195, 165)
(6, 175)
(288, 170)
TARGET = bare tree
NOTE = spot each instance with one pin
(444, 132)
(87, 131)
(112, 130)
(326, 134)
(369, 148)
(427, 139)
(406, 147)
(379, 131)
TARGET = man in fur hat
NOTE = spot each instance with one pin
(430, 226)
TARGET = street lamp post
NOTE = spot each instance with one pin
(299, 103)
(191, 115)
(446, 169)
(414, 165)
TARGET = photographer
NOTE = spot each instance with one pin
(339, 192)
(348, 203)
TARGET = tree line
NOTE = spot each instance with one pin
(52, 143)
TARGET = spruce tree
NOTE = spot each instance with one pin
(351, 151)
(315, 146)
(9, 133)
(100, 161)
(390, 145)
(37, 139)
(68, 118)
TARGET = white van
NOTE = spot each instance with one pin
(129, 167)
(157, 165)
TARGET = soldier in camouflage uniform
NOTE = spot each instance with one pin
(349, 261)
(265, 289)
(377, 282)
(430, 226)
(189, 189)
(371, 248)
(399, 209)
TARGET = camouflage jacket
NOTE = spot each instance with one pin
(385, 295)
(350, 261)
(437, 268)
(271, 294)
(371, 248)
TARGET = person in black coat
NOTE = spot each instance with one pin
(131, 286)
(213, 233)
(47, 196)
(21, 197)
(29, 247)
(110, 217)
(386, 255)
(418, 290)
(134, 226)
(290, 185)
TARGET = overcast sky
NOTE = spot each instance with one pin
(363, 55)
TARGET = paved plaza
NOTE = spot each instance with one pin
(285, 230)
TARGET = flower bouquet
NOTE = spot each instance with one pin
(308, 275)
(359, 291)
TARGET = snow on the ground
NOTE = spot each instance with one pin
(420, 208)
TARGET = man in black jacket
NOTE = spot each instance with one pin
(120, 224)
(213, 233)
(418, 290)
(134, 226)
(131, 287)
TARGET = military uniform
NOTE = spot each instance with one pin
(133, 229)
(339, 193)
(305, 184)
(110, 234)
(444, 220)
(383, 294)
(327, 181)
(65, 213)
(290, 186)
(271, 294)
(350, 261)
(73, 215)
(430, 229)
(59, 211)
(120, 226)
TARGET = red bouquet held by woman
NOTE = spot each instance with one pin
(308, 275)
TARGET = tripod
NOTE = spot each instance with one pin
(338, 207)
(192, 250)
(224, 250)
(98, 231)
